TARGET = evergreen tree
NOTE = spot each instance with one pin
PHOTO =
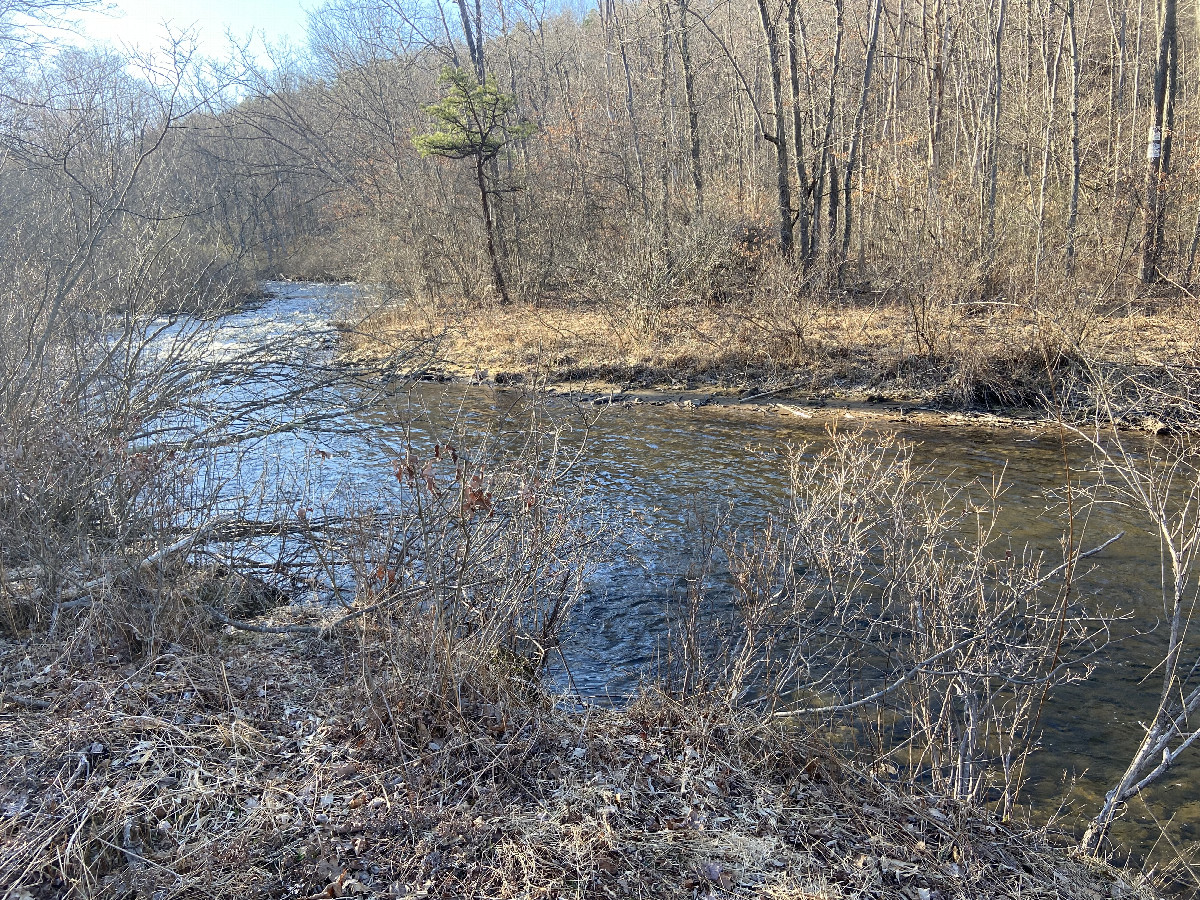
(470, 122)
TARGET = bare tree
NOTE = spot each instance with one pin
(1158, 144)
(769, 21)
(857, 136)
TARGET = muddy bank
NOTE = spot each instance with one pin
(786, 402)
(790, 403)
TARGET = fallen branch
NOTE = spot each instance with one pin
(184, 543)
(262, 629)
(305, 629)
(776, 390)
(76, 595)
(27, 702)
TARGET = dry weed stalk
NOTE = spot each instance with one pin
(882, 598)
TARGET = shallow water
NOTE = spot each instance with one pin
(649, 465)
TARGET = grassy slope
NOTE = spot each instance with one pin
(990, 357)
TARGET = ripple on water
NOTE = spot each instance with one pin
(652, 467)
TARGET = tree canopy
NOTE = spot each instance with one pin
(471, 120)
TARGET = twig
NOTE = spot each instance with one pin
(883, 691)
(1087, 553)
(80, 770)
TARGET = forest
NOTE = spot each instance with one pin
(272, 621)
(958, 204)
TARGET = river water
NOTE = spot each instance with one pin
(649, 465)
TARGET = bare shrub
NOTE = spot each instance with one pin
(94, 246)
(1161, 482)
(458, 578)
(883, 597)
(713, 259)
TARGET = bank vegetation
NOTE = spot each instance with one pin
(217, 679)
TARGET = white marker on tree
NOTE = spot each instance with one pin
(1154, 144)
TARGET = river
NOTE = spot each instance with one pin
(649, 464)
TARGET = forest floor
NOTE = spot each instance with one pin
(967, 363)
(276, 766)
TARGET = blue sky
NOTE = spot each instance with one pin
(139, 23)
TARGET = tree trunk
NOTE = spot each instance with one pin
(936, 53)
(856, 140)
(802, 187)
(634, 133)
(1076, 162)
(1047, 145)
(474, 38)
(833, 213)
(665, 170)
(994, 161)
(1157, 146)
(689, 91)
(1117, 101)
(825, 164)
(1195, 242)
(779, 139)
(490, 228)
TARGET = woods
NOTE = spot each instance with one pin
(973, 151)
(969, 178)
(899, 143)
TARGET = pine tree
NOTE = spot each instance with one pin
(471, 122)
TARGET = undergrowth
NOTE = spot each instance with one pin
(271, 769)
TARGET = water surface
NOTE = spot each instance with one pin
(652, 467)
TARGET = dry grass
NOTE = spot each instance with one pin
(275, 768)
(994, 355)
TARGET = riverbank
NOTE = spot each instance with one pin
(983, 364)
(271, 765)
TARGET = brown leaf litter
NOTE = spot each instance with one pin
(277, 767)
